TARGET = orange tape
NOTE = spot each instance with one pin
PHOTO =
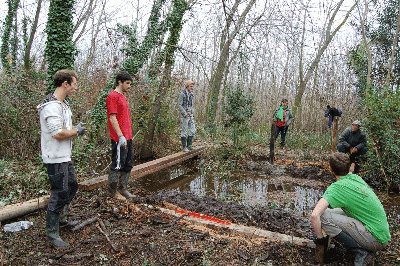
(205, 217)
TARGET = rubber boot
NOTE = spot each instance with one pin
(113, 183)
(183, 139)
(189, 142)
(52, 229)
(63, 218)
(123, 185)
(361, 255)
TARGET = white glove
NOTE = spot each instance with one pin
(122, 141)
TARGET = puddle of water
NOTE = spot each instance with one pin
(246, 187)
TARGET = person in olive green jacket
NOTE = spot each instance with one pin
(353, 141)
(283, 117)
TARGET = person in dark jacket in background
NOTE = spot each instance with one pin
(331, 112)
(283, 117)
(353, 141)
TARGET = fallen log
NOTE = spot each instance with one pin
(247, 230)
(23, 208)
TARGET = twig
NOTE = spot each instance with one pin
(102, 225)
(84, 223)
(108, 239)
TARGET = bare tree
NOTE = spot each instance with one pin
(323, 45)
(228, 34)
(28, 47)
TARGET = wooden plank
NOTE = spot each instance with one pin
(23, 208)
(143, 169)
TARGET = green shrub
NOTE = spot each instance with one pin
(382, 126)
(240, 108)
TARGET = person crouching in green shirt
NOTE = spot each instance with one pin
(356, 217)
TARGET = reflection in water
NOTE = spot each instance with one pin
(245, 187)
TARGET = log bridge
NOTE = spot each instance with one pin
(19, 209)
(144, 168)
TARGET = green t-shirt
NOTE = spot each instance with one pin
(358, 201)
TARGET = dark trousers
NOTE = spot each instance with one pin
(63, 185)
(282, 131)
(353, 157)
(122, 158)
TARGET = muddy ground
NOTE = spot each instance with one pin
(138, 233)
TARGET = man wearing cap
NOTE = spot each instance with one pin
(353, 141)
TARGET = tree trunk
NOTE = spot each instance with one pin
(219, 72)
(325, 41)
(28, 47)
(180, 7)
(8, 24)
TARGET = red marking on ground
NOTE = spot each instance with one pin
(205, 217)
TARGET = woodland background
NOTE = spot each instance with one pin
(243, 55)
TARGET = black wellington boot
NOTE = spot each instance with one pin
(52, 229)
(113, 183)
(123, 185)
(361, 255)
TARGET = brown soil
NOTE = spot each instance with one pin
(138, 233)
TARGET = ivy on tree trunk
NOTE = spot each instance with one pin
(8, 26)
(60, 50)
(175, 27)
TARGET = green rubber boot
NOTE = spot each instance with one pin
(52, 229)
(113, 183)
(189, 142)
(123, 185)
(184, 143)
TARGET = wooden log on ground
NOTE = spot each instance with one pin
(23, 208)
(144, 169)
(247, 230)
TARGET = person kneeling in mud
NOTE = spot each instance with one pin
(355, 218)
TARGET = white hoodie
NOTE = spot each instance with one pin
(54, 116)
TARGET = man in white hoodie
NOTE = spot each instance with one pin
(56, 142)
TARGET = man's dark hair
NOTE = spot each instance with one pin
(339, 163)
(64, 75)
(284, 100)
(122, 76)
